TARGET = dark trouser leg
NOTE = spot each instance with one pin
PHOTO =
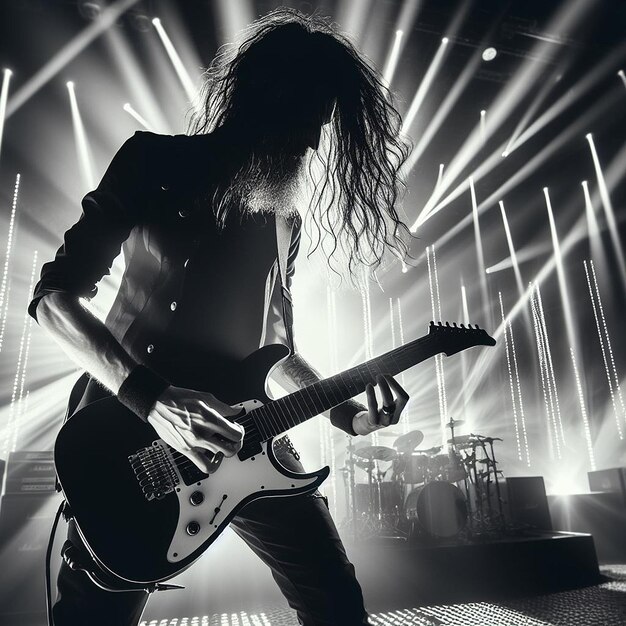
(297, 538)
(81, 603)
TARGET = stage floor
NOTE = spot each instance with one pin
(600, 605)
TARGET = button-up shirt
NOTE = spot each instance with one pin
(191, 290)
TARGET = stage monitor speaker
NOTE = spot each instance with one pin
(25, 523)
(611, 480)
(526, 502)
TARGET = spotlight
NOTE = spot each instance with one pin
(7, 72)
(90, 10)
(489, 54)
(70, 84)
(445, 40)
(156, 21)
(139, 21)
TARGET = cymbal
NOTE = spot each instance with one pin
(408, 442)
(463, 440)
(455, 423)
(377, 453)
(383, 432)
(428, 451)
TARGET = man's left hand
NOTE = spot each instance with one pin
(394, 399)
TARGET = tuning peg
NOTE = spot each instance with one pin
(477, 326)
(454, 324)
(462, 325)
(448, 324)
(439, 324)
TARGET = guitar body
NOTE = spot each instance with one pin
(144, 529)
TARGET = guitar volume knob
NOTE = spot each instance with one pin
(196, 498)
(193, 528)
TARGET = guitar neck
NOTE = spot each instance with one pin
(278, 416)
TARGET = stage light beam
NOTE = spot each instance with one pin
(480, 255)
(4, 96)
(70, 51)
(425, 85)
(622, 76)
(512, 252)
(181, 71)
(608, 210)
(80, 139)
(129, 109)
(392, 59)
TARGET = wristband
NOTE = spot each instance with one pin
(141, 389)
(342, 415)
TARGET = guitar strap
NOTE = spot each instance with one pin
(284, 231)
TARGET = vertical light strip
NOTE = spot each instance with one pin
(507, 350)
(80, 139)
(622, 76)
(480, 255)
(17, 391)
(327, 445)
(439, 315)
(583, 410)
(553, 441)
(22, 393)
(180, 69)
(608, 210)
(552, 376)
(5, 285)
(607, 339)
(406, 421)
(438, 372)
(520, 399)
(593, 293)
(4, 96)
(367, 321)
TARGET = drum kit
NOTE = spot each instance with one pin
(423, 493)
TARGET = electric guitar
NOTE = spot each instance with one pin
(146, 512)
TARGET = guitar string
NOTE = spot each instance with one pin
(248, 419)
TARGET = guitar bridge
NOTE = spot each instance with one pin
(154, 471)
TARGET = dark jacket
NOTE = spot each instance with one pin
(150, 202)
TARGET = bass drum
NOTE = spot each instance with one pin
(438, 508)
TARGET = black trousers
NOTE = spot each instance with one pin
(296, 537)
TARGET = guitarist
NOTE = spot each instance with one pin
(198, 217)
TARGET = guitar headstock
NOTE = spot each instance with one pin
(454, 338)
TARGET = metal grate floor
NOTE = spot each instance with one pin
(600, 605)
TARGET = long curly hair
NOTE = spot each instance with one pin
(289, 68)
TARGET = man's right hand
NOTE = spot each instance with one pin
(195, 424)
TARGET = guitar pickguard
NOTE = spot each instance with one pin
(207, 506)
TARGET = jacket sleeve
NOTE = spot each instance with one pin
(276, 324)
(92, 243)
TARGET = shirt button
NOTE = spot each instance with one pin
(173, 306)
(183, 212)
(150, 349)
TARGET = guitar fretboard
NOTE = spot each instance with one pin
(278, 416)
